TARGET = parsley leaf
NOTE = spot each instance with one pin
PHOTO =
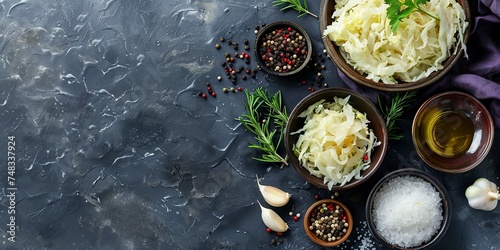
(397, 10)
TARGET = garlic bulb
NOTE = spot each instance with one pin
(482, 195)
(272, 220)
(273, 196)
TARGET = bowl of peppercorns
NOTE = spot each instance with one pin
(328, 222)
(282, 48)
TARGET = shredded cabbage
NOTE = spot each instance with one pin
(333, 141)
(418, 48)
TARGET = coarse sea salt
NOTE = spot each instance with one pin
(407, 211)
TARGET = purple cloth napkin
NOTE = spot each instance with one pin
(479, 75)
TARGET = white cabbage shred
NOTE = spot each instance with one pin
(333, 141)
(416, 49)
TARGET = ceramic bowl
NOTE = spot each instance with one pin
(453, 132)
(326, 10)
(445, 204)
(358, 102)
(264, 51)
(310, 214)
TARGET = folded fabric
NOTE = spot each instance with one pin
(479, 75)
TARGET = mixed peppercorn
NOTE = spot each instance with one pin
(329, 222)
(283, 49)
(237, 64)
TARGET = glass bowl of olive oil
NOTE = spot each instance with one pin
(452, 132)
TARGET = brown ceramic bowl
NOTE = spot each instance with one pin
(360, 103)
(282, 25)
(326, 10)
(445, 203)
(312, 235)
(449, 108)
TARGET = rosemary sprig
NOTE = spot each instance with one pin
(302, 8)
(394, 111)
(275, 107)
(261, 127)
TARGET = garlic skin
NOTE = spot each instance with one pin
(274, 196)
(272, 220)
(482, 195)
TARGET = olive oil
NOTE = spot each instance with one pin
(448, 133)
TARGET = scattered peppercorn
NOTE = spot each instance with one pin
(217, 46)
(222, 39)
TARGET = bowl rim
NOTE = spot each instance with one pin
(383, 138)
(484, 150)
(445, 199)
(319, 241)
(279, 23)
(358, 78)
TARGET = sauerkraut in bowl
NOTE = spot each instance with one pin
(359, 38)
(335, 138)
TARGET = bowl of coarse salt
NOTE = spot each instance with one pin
(408, 209)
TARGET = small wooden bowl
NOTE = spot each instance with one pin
(269, 28)
(313, 237)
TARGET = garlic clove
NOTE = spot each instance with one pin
(273, 196)
(272, 220)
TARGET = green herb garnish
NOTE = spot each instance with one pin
(296, 5)
(394, 111)
(398, 10)
(268, 126)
